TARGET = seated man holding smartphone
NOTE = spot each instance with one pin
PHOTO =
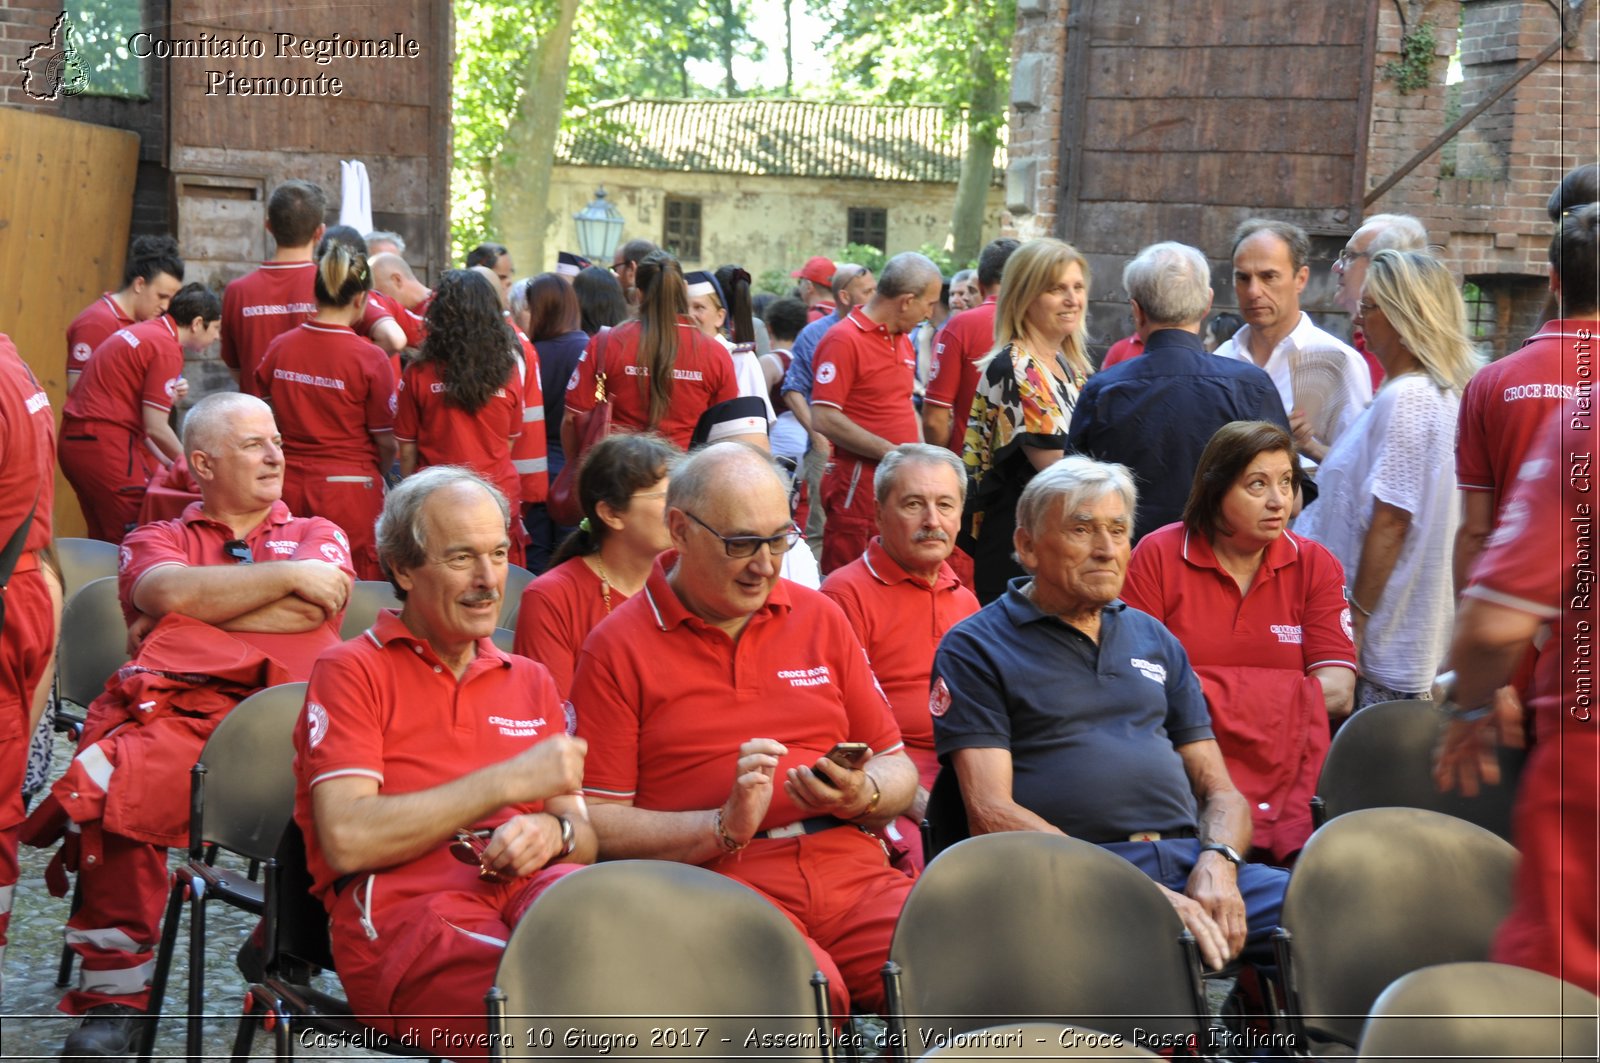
(711, 703)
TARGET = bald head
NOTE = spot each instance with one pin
(208, 421)
(493, 278)
(720, 471)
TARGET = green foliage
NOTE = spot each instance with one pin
(98, 34)
(773, 281)
(1414, 69)
(863, 255)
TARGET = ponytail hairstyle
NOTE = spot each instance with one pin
(342, 275)
(735, 283)
(664, 299)
(468, 339)
(611, 471)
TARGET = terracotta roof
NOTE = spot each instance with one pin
(789, 138)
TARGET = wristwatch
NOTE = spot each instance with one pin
(1229, 853)
(569, 837)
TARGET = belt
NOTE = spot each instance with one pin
(814, 825)
(1153, 835)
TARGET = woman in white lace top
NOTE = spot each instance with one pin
(1387, 504)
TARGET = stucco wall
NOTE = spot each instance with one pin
(761, 223)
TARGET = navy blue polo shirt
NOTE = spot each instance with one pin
(1156, 413)
(1093, 730)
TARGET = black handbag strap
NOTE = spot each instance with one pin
(13, 551)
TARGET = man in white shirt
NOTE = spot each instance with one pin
(1269, 273)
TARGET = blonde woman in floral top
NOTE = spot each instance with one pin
(1027, 388)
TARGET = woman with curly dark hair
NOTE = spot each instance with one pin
(661, 373)
(460, 403)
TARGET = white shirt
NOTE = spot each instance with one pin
(1308, 337)
(749, 375)
(1401, 450)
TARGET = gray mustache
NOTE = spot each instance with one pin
(930, 535)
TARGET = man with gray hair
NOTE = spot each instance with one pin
(1128, 761)
(901, 596)
(1321, 380)
(866, 373)
(1381, 232)
(421, 741)
(234, 595)
(382, 241)
(1156, 413)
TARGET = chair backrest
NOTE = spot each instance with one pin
(634, 946)
(1017, 926)
(1383, 757)
(298, 921)
(1034, 1040)
(517, 580)
(1380, 892)
(946, 814)
(83, 560)
(366, 598)
(249, 772)
(94, 641)
(1461, 1011)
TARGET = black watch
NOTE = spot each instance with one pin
(1229, 853)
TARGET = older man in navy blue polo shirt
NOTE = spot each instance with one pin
(1064, 710)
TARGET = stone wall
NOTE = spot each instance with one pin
(1033, 148)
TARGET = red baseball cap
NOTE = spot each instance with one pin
(818, 269)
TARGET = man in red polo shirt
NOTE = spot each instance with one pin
(1536, 570)
(277, 296)
(420, 728)
(151, 278)
(766, 678)
(235, 580)
(965, 338)
(901, 596)
(27, 606)
(393, 279)
(861, 399)
(816, 286)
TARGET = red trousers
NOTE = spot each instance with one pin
(1554, 925)
(25, 644)
(850, 509)
(839, 891)
(108, 468)
(436, 949)
(116, 929)
(351, 498)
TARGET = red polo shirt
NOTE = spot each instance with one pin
(93, 326)
(869, 375)
(135, 368)
(558, 611)
(702, 376)
(330, 390)
(900, 620)
(260, 305)
(196, 539)
(447, 434)
(965, 338)
(22, 472)
(1125, 348)
(384, 706)
(665, 700)
(1254, 654)
(1508, 402)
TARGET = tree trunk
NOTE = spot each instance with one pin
(725, 18)
(519, 176)
(788, 48)
(977, 167)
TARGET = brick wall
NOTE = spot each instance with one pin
(1483, 196)
(1033, 148)
(25, 23)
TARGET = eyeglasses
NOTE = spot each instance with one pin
(239, 550)
(1348, 256)
(745, 546)
(1366, 306)
(469, 847)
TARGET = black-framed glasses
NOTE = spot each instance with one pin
(239, 550)
(745, 546)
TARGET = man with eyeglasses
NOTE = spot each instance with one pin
(1381, 232)
(626, 266)
(711, 703)
(234, 595)
(436, 783)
